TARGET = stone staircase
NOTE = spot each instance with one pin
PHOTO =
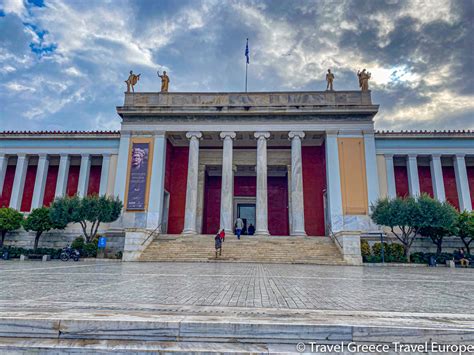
(272, 249)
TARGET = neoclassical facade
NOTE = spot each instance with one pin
(289, 163)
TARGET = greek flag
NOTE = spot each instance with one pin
(247, 54)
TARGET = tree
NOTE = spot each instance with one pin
(10, 220)
(438, 220)
(39, 221)
(402, 215)
(89, 212)
(465, 229)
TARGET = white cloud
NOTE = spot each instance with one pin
(16, 7)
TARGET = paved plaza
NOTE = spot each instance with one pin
(99, 285)
(183, 308)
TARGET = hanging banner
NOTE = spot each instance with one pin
(137, 180)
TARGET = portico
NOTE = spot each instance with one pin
(278, 152)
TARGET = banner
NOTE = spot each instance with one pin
(137, 182)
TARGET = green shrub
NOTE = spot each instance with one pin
(90, 250)
(365, 250)
(395, 253)
(423, 258)
(15, 252)
(78, 243)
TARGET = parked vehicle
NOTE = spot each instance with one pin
(69, 253)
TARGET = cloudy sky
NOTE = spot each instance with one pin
(63, 62)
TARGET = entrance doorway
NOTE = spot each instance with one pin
(246, 212)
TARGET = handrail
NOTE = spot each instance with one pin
(333, 236)
(151, 233)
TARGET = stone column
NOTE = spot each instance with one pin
(413, 179)
(157, 181)
(3, 170)
(190, 211)
(391, 187)
(261, 227)
(200, 201)
(297, 201)
(84, 171)
(122, 161)
(333, 182)
(104, 174)
(40, 181)
(227, 188)
(371, 167)
(290, 213)
(63, 173)
(462, 184)
(19, 181)
(437, 177)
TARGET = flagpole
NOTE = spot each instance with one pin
(246, 69)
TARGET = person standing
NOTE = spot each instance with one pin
(218, 244)
(239, 225)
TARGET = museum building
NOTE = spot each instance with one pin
(289, 163)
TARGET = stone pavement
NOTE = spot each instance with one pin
(207, 305)
(311, 287)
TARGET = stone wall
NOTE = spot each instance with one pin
(423, 244)
(60, 239)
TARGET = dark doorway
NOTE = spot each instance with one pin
(246, 211)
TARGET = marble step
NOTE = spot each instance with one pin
(268, 331)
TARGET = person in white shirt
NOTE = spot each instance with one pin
(239, 225)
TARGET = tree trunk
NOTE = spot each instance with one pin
(37, 237)
(466, 245)
(439, 247)
(407, 251)
(3, 238)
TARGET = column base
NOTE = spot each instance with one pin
(189, 232)
(262, 233)
(298, 234)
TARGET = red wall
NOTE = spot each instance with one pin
(470, 179)
(94, 180)
(7, 186)
(426, 184)
(278, 205)
(450, 186)
(212, 204)
(50, 187)
(245, 186)
(176, 182)
(401, 180)
(28, 188)
(314, 184)
(72, 180)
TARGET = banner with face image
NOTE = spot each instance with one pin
(137, 180)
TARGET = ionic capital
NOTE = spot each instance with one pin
(225, 135)
(460, 155)
(106, 155)
(435, 156)
(85, 155)
(388, 156)
(412, 156)
(264, 135)
(42, 155)
(194, 134)
(294, 134)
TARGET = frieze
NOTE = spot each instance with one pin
(272, 99)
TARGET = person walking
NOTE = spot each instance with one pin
(239, 225)
(222, 235)
(218, 244)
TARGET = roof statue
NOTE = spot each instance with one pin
(165, 81)
(329, 79)
(364, 77)
(132, 81)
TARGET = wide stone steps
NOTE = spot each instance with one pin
(304, 250)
